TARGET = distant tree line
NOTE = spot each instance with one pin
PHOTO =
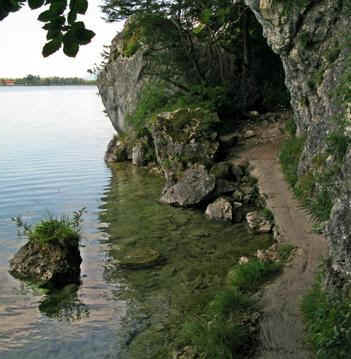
(35, 80)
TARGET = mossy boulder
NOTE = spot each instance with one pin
(140, 258)
(183, 138)
(52, 264)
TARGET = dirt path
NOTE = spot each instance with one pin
(282, 333)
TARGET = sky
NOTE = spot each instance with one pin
(22, 39)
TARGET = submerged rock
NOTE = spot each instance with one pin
(140, 258)
(49, 264)
(193, 188)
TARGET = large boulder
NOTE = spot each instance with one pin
(48, 265)
(194, 187)
(183, 138)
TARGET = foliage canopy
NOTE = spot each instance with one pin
(60, 22)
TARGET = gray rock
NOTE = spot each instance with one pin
(117, 151)
(339, 240)
(229, 140)
(193, 188)
(220, 209)
(138, 155)
(238, 213)
(224, 187)
(120, 83)
(181, 140)
(51, 265)
(222, 170)
(249, 134)
(236, 172)
(258, 223)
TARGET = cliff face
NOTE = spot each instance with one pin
(120, 82)
(311, 38)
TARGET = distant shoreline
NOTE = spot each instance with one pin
(52, 84)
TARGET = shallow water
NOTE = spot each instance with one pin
(51, 159)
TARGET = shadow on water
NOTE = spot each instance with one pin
(197, 255)
(64, 304)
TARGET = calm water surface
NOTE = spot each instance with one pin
(52, 142)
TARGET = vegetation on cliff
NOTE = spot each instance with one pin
(211, 52)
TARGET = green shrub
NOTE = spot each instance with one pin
(267, 214)
(64, 230)
(338, 143)
(289, 158)
(313, 189)
(153, 98)
(220, 331)
(328, 323)
(250, 276)
(285, 250)
(290, 127)
(224, 330)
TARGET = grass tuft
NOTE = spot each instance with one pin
(328, 323)
(250, 276)
(64, 230)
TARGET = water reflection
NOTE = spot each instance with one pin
(64, 305)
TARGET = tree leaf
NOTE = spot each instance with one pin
(46, 16)
(51, 47)
(35, 4)
(72, 16)
(70, 45)
(58, 7)
(84, 36)
(53, 34)
(81, 6)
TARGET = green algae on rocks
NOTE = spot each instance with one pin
(198, 255)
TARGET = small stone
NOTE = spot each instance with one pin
(254, 113)
(140, 258)
(243, 260)
(237, 196)
(221, 209)
(258, 223)
(249, 134)
(236, 172)
(237, 212)
(229, 140)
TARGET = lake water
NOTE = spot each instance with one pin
(52, 142)
(51, 160)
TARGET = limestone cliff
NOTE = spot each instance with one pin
(311, 38)
(120, 81)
